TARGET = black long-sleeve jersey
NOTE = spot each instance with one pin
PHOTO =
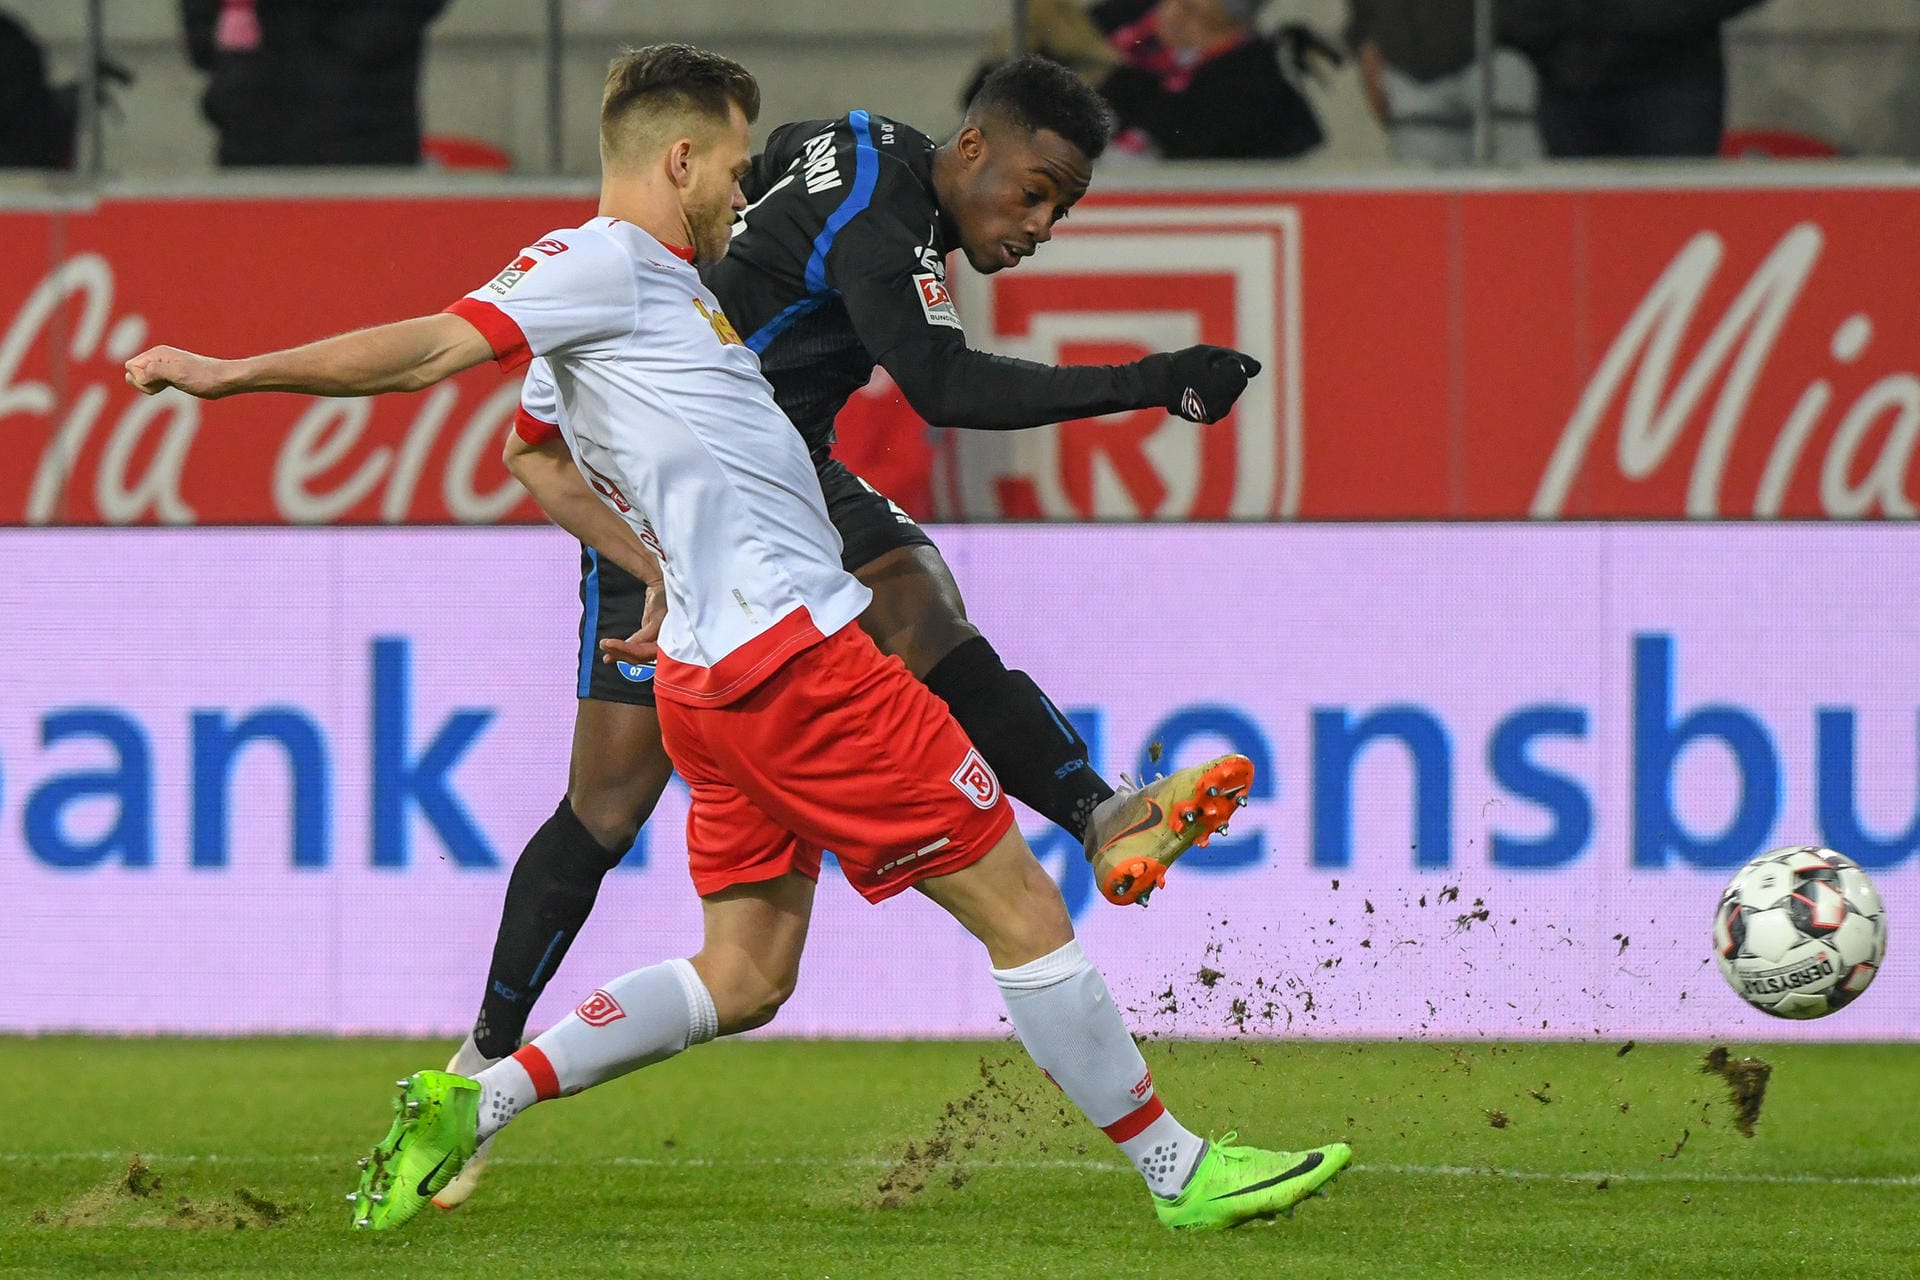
(839, 264)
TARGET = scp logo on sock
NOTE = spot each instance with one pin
(598, 1009)
(976, 781)
(1145, 1087)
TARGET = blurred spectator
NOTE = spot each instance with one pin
(37, 118)
(311, 82)
(1187, 79)
(1626, 77)
(1420, 76)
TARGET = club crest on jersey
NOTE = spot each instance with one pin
(976, 781)
(722, 327)
(610, 491)
(515, 272)
(598, 1009)
(819, 165)
(935, 301)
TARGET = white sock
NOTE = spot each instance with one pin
(1067, 1021)
(634, 1021)
(468, 1060)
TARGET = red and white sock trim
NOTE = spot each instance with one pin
(1134, 1123)
(546, 1082)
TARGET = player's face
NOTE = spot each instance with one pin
(1016, 188)
(713, 197)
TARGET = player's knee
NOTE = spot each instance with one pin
(1034, 922)
(745, 995)
(752, 1003)
(923, 641)
(613, 816)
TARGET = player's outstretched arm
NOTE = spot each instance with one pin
(952, 385)
(406, 356)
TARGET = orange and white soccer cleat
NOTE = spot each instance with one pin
(1138, 833)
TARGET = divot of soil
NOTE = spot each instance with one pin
(1746, 1084)
(1498, 1118)
(137, 1197)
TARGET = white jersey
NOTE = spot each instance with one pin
(671, 422)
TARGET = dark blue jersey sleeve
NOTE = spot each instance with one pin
(887, 266)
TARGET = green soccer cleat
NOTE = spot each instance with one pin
(1232, 1184)
(435, 1122)
(467, 1060)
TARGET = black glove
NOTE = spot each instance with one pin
(1199, 384)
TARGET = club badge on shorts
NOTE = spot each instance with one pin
(976, 781)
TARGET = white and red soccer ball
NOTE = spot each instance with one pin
(1800, 932)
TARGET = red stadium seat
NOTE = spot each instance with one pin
(451, 151)
(1779, 144)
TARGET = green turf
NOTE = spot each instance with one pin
(769, 1159)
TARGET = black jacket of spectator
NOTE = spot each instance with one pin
(1424, 39)
(1582, 46)
(36, 124)
(332, 81)
(1238, 105)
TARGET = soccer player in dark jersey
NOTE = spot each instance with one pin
(838, 265)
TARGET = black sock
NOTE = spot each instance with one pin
(1035, 750)
(549, 897)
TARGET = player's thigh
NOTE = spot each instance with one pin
(733, 838)
(917, 613)
(844, 748)
(619, 767)
(753, 937)
(1008, 901)
(618, 770)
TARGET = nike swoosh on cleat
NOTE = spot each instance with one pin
(1308, 1165)
(425, 1190)
(1155, 816)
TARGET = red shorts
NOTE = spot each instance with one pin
(840, 749)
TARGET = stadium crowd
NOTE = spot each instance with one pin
(300, 83)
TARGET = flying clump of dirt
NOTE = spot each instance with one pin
(138, 1197)
(1746, 1084)
(1012, 1103)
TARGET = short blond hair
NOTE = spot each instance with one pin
(666, 87)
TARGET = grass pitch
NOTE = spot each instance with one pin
(775, 1158)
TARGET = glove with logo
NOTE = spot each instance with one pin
(1200, 384)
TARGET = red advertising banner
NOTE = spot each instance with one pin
(1477, 354)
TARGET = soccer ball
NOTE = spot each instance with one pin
(1800, 932)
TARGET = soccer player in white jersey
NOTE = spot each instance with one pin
(792, 731)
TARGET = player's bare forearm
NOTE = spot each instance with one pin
(547, 471)
(405, 356)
